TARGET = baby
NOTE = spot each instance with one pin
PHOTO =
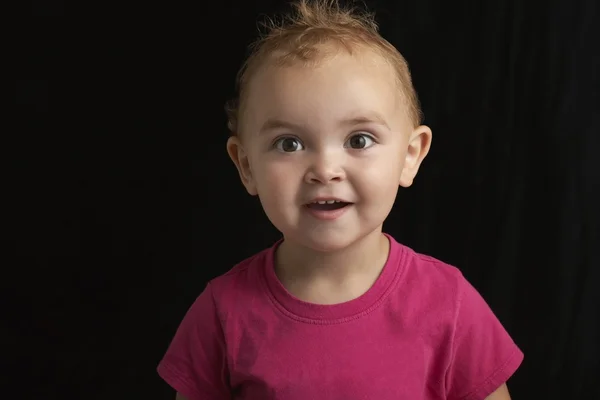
(326, 128)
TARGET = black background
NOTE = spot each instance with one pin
(127, 202)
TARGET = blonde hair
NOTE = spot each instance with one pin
(300, 36)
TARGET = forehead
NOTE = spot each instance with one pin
(334, 88)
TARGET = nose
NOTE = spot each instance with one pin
(325, 168)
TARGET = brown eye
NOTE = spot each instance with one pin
(288, 145)
(360, 141)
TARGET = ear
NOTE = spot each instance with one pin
(418, 147)
(238, 155)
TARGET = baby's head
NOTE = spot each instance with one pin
(326, 112)
(315, 32)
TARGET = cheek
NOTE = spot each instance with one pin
(275, 178)
(381, 171)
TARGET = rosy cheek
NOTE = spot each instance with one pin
(273, 172)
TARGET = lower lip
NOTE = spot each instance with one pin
(327, 215)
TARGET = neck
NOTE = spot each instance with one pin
(365, 256)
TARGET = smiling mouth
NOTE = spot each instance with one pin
(328, 205)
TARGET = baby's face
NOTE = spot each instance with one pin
(337, 131)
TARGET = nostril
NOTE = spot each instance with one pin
(323, 175)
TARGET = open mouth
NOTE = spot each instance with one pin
(327, 205)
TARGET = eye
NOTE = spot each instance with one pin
(360, 141)
(288, 145)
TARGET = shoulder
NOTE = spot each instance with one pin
(479, 353)
(243, 273)
(431, 280)
(196, 359)
(242, 285)
(437, 298)
(433, 269)
(442, 288)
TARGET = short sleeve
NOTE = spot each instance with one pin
(483, 354)
(195, 363)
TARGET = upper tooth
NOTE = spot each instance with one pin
(327, 201)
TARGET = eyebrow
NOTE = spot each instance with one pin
(274, 123)
(372, 118)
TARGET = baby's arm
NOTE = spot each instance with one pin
(484, 355)
(195, 364)
(500, 394)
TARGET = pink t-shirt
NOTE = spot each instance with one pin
(422, 332)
